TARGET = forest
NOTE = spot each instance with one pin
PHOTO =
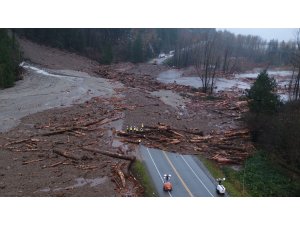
(138, 45)
(9, 59)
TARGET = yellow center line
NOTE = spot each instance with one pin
(183, 183)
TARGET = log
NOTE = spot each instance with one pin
(111, 154)
(121, 175)
(59, 131)
(221, 159)
(172, 130)
(176, 133)
(20, 141)
(66, 155)
(110, 120)
(193, 132)
(200, 139)
(32, 161)
(230, 147)
(174, 141)
(115, 180)
(83, 127)
(236, 133)
(131, 134)
(94, 122)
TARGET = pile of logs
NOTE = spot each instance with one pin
(231, 146)
(144, 81)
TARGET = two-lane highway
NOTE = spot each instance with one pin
(188, 178)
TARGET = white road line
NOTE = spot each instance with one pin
(157, 169)
(196, 175)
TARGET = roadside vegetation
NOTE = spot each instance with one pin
(233, 186)
(140, 172)
(9, 59)
(263, 177)
(259, 177)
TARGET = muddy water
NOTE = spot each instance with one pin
(272, 73)
(175, 76)
(43, 89)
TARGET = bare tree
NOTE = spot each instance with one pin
(208, 62)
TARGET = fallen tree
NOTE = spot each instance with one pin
(111, 154)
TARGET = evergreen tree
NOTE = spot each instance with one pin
(263, 98)
(9, 59)
(137, 50)
(107, 57)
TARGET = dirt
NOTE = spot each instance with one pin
(42, 171)
(56, 59)
(42, 103)
(68, 88)
(123, 95)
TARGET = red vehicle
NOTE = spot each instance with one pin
(167, 186)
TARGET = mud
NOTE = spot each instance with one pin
(170, 98)
(55, 94)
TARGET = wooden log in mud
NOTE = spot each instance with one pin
(111, 154)
(66, 154)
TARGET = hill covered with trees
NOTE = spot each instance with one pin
(202, 47)
(107, 45)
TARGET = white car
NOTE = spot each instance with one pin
(220, 188)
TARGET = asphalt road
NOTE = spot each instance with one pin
(188, 177)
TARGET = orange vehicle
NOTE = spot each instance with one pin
(167, 184)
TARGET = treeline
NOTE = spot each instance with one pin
(9, 59)
(233, 52)
(107, 45)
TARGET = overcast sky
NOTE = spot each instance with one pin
(280, 34)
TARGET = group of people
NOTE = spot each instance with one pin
(134, 129)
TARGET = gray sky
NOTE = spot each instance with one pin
(280, 34)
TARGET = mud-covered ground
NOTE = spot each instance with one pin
(45, 155)
(30, 163)
(86, 110)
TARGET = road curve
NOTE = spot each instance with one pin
(189, 179)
